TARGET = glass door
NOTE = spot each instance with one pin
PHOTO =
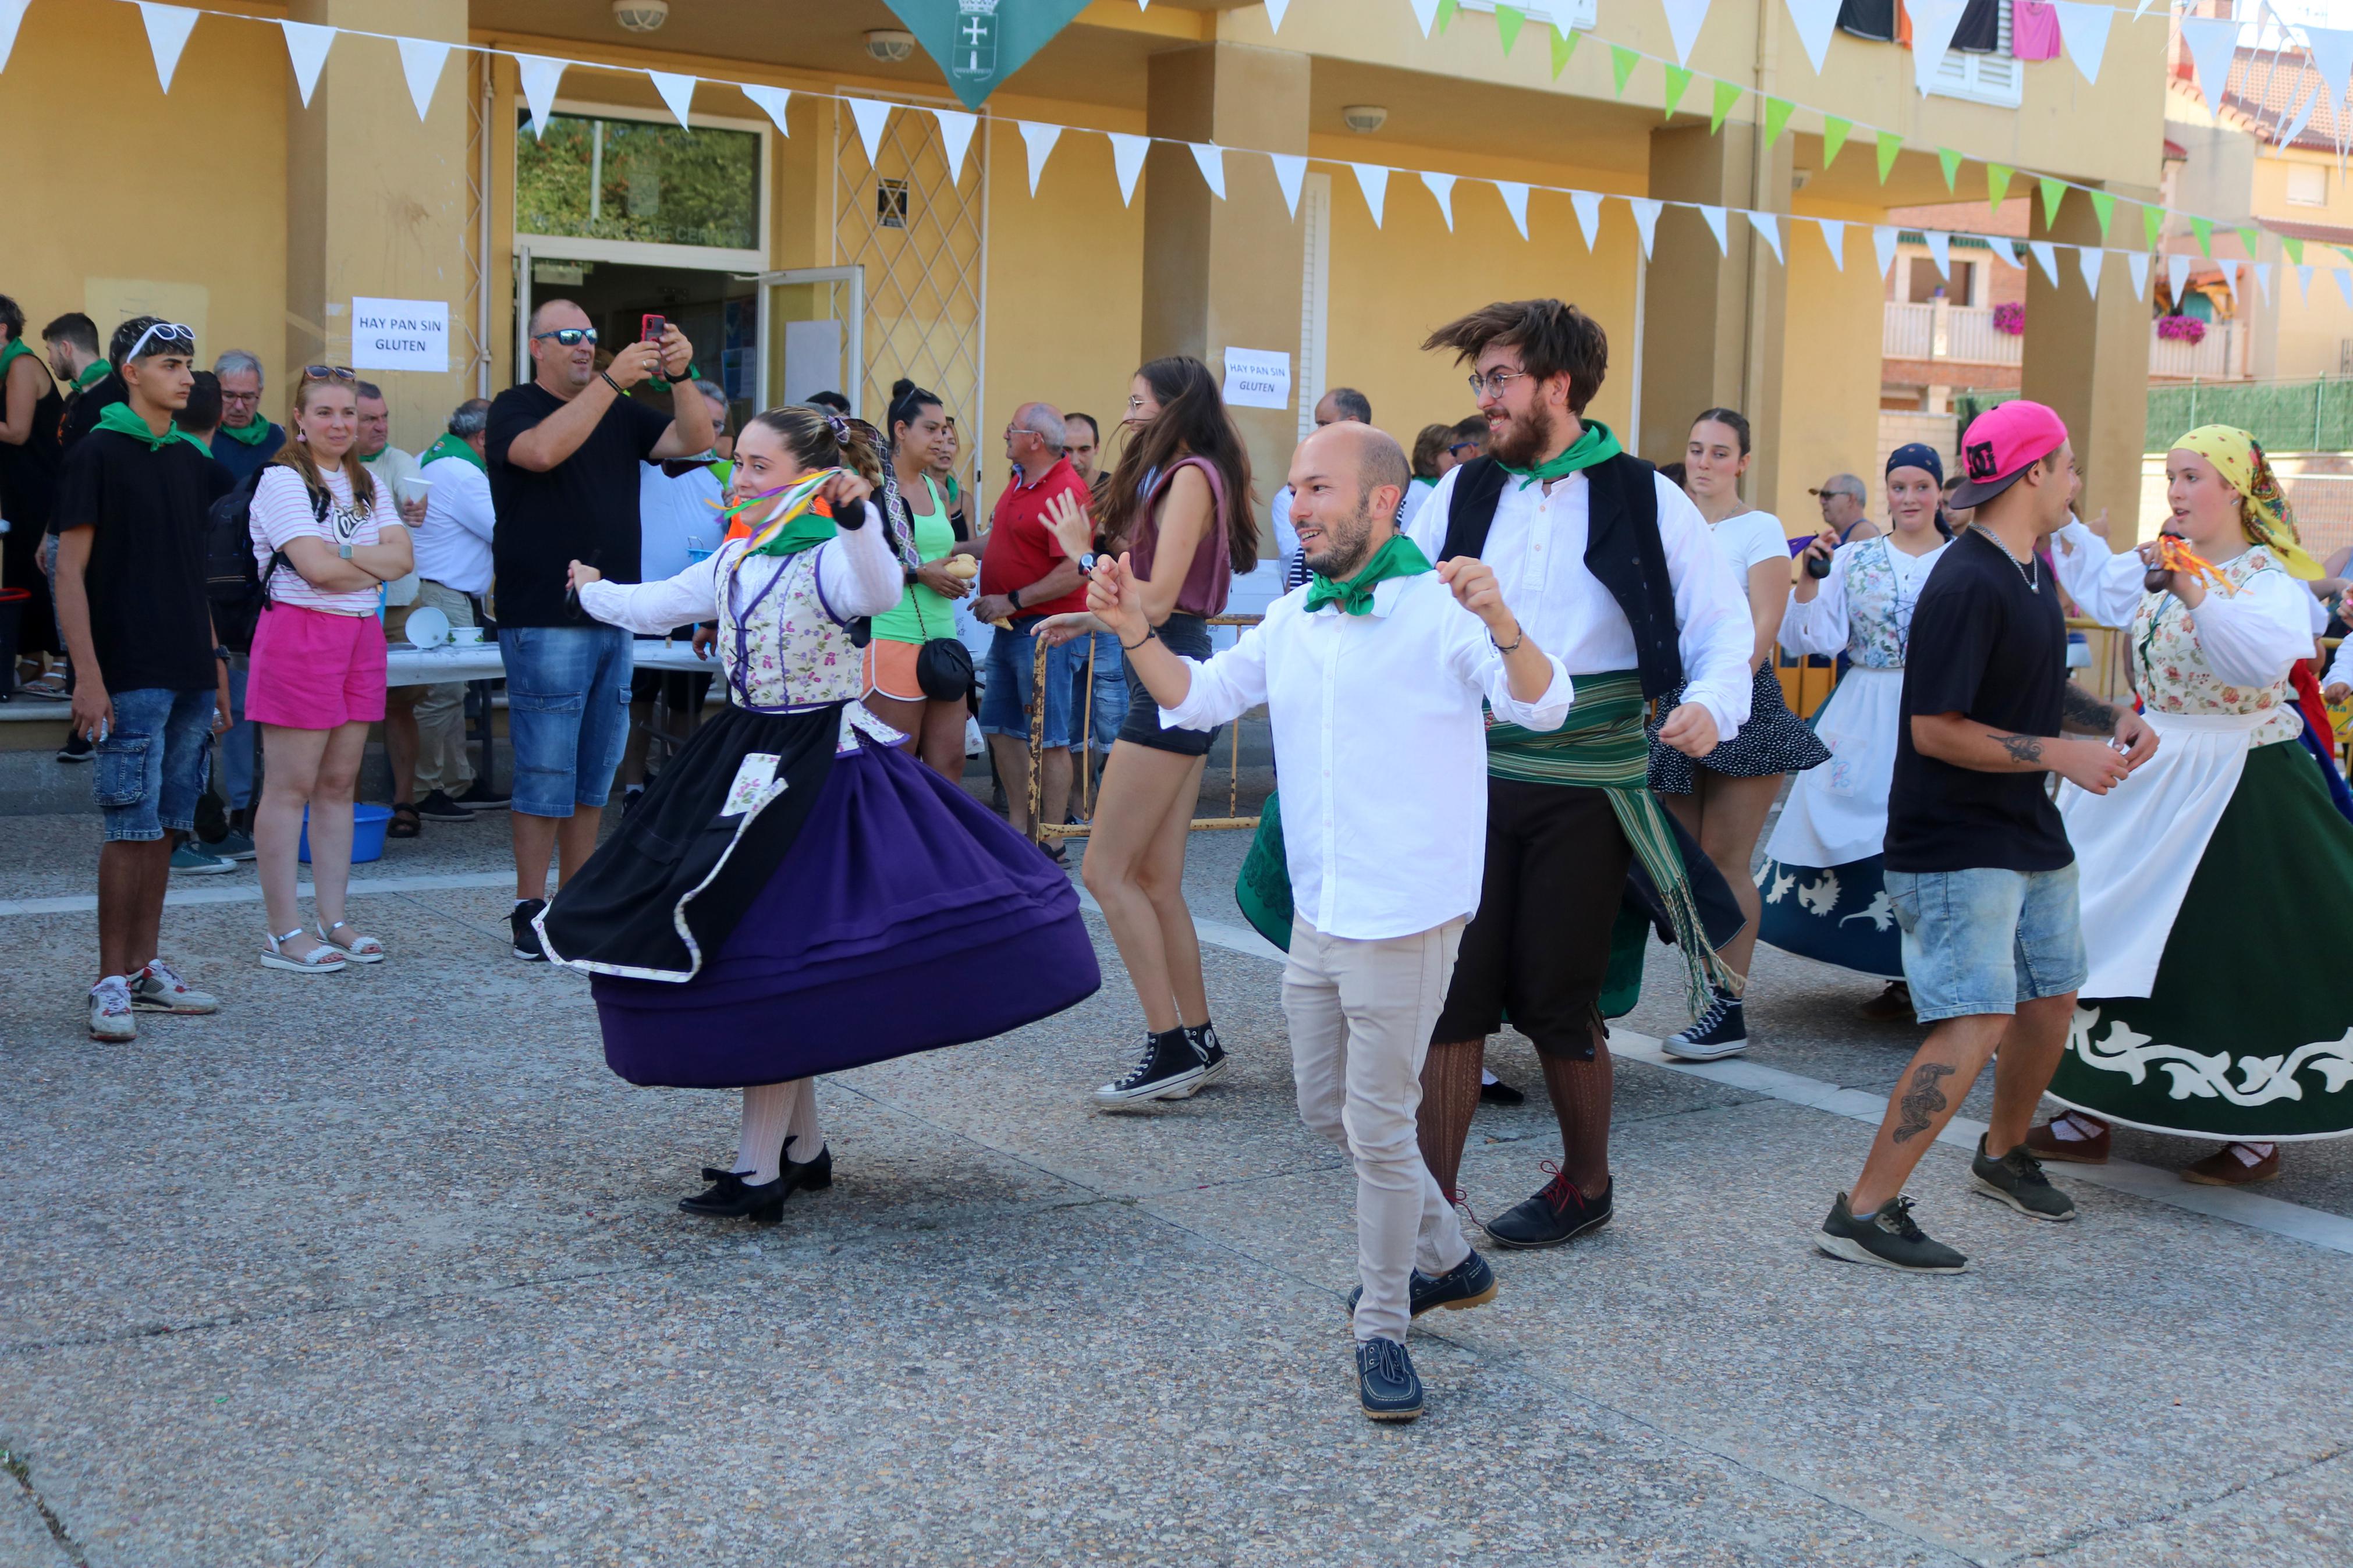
(813, 336)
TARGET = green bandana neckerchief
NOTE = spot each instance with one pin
(93, 372)
(9, 355)
(1399, 557)
(118, 418)
(1596, 446)
(448, 445)
(252, 435)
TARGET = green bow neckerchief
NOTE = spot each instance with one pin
(118, 418)
(1399, 557)
(448, 445)
(252, 435)
(1596, 446)
(93, 372)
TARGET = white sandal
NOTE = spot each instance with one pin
(325, 960)
(367, 949)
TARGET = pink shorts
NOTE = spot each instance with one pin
(312, 670)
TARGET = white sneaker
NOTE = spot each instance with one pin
(110, 1018)
(158, 988)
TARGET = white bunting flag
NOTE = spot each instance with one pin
(421, 60)
(2002, 250)
(307, 44)
(1588, 216)
(1933, 23)
(2177, 278)
(1883, 244)
(2137, 262)
(1290, 171)
(168, 28)
(873, 115)
(1515, 202)
(1768, 229)
(1646, 211)
(1684, 20)
(1442, 187)
(1834, 235)
(1425, 12)
(1127, 161)
(1274, 10)
(2304, 283)
(2046, 256)
(2084, 29)
(2089, 259)
(2332, 52)
(955, 139)
(2303, 118)
(1815, 19)
(1212, 160)
(1373, 179)
(1940, 251)
(2263, 279)
(540, 76)
(1714, 216)
(775, 101)
(676, 93)
(2212, 45)
(2344, 276)
(1039, 139)
(11, 13)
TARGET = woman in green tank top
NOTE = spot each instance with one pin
(927, 608)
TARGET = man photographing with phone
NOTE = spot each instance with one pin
(564, 451)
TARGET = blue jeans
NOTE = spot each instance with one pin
(1004, 699)
(1980, 942)
(153, 764)
(1102, 721)
(237, 744)
(567, 713)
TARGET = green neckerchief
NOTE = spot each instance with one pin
(118, 418)
(1400, 557)
(9, 355)
(1596, 446)
(448, 445)
(252, 435)
(93, 372)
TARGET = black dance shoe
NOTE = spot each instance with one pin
(730, 1197)
(1557, 1214)
(804, 1175)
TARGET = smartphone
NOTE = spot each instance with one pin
(651, 328)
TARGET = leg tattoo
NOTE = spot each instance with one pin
(1921, 1102)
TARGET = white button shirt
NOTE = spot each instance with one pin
(1379, 747)
(1537, 546)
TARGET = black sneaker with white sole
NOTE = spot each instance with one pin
(1887, 1238)
(1169, 1068)
(2016, 1179)
(1469, 1283)
(77, 749)
(1387, 1384)
(1212, 1054)
(1560, 1213)
(526, 940)
(1721, 1031)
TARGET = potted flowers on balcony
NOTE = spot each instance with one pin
(2181, 329)
(2009, 318)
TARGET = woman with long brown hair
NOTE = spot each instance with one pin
(1178, 505)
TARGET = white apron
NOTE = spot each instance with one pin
(1837, 813)
(2137, 847)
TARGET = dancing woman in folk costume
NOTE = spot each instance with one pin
(1823, 878)
(2203, 1014)
(796, 895)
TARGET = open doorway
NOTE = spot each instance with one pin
(718, 312)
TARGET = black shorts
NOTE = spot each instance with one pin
(1188, 635)
(1539, 946)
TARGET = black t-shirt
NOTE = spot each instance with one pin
(147, 610)
(1986, 645)
(585, 509)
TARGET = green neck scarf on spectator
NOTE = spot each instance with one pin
(1399, 557)
(93, 372)
(448, 445)
(119, 419)
(252, 435)
(1596, 446)
(8, 356)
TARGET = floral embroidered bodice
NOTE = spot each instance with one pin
(2172, 675)
(1882, 590)
(778, 641)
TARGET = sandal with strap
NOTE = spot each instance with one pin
(405, 823)
(326, 959)
(365, 950)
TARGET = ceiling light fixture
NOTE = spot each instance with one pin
(640, 15)
(891, 46)
(1365, 118)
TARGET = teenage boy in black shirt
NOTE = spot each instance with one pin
(1979, 866)
(151, 677)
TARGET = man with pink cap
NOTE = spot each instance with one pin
(1979, 867)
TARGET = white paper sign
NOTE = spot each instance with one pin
(1257, 378)
(400, 334)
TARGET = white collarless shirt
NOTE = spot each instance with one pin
(1379, 746)
(1536, 545)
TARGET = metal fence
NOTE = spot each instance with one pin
(2284, 415)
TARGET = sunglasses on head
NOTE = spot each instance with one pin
(570, 337)
(164, 335)
(328, 372)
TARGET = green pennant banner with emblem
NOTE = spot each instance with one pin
(979, 43)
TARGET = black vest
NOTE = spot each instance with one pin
(1622, 550)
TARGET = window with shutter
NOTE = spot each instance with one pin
(1996, 78)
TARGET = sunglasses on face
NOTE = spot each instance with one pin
(1460, 447)
(165, 335)
(570, 337)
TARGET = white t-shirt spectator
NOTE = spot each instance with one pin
(283, 511)
(1747, 539)
(390, 466)
(674, 515)
(453, 543)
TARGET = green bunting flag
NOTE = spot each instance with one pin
(1508, 21)
(1564, 44)
(1622, 61)
(2249, 236)
(979, 43)
(1726, 95)
(1678, 78)
(1834, 135)
(1445, 14)
(2203, 228)
(1891, 143)
(2152, 223)
(1777, 118)
(2103, 207)
(2051, 191)
(1998, 178)
(2294, 248)
(1952, 164)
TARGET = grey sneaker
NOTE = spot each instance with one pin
(110, 1018)
(1888, 1238)
(158, 988)
(2016, 1179)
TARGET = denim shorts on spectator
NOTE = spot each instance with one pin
(153, 764)
(1012, 664)
(567, 713)
(1983, 940)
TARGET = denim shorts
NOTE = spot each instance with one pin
(1101, 719)
(1005, 696)
(153, 764)
(567, 713)
(1983, 940)
(1186, 636)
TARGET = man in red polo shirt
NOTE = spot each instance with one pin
(1024, 577)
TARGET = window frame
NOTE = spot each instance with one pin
(648, 252)
(1963, 75)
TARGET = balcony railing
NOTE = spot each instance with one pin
(2211, 358)
(1941, 331)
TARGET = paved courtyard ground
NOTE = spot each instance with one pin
(383, 1268)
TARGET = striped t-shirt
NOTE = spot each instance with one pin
(283, 511)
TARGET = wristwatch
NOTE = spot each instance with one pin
(220, 652)
(1087, 562)
(344, 550)
(1014, 598)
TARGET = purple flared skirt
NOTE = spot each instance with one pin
(904, 916)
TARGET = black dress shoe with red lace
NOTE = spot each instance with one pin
(1558, 1214)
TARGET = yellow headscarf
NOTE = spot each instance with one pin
(2240, 460)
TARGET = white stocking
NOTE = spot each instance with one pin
(806, 1136)
(765, 1108)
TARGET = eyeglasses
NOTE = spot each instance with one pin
(570, 337)
(328, 372)
(1495, 382)
(164, 333)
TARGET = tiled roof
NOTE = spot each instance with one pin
(2271, 88)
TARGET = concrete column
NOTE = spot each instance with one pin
(1226, 273)
(2088, 359)
(1714, 320)
(377, 202)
